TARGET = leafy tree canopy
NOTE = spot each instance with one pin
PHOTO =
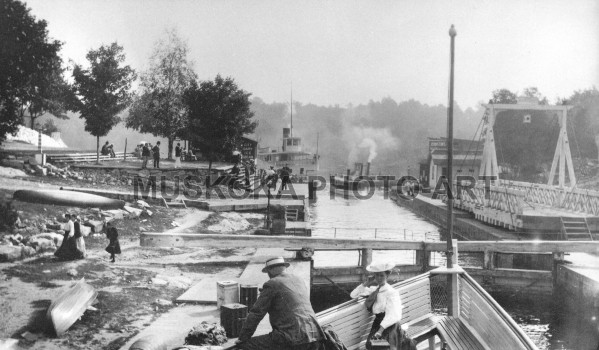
(31, 73)
(218, 116)
(159, 109)
(103, 90)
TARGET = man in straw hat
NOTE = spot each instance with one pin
(285, 298)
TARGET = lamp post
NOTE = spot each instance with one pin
(452, 34)
(452, 279)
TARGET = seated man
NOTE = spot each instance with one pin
(111, 151)
(105, 151)
(285, 298)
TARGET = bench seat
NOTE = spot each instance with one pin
(352, 322)
(457, 335)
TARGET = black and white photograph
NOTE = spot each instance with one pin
(299, 175)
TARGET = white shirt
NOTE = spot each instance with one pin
(387, 301)
(71, 228)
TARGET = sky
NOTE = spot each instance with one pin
(350, 52)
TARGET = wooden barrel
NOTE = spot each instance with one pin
(231, 318)
(278, 227)
(248, 294)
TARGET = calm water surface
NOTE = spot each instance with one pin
(550, 323)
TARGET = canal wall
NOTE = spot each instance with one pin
(464, 225)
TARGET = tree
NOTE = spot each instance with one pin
(102, 90)
(503, 96)
(534, 92)
(218, 114)
(30, 67)
(583, 124)
(49, 93)
(159, 109)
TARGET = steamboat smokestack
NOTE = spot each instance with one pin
(368, 169)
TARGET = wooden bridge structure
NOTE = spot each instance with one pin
(561, 209)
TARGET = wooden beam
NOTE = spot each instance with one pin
(231, 241)
(526, 107)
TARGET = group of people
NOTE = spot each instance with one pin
(294, 325)
(272, 177)
(73, 243)
(147, 151)
(108, 149)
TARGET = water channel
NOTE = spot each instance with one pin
(549, 323)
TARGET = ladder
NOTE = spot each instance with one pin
(575, 229)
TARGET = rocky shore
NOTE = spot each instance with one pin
(132, 292)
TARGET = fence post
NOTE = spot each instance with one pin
(423, 257)
(489, 260)
(454, 307)
(366, 259)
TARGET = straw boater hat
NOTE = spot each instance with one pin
(380, 267)
(274, 262)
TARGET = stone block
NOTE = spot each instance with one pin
(96, 226)
(10, 253)
(42, 244)
(133, 212)
(12, 163)
(85, 230)
(41, 172)
(116, 214)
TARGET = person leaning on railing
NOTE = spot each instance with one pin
(385, 303)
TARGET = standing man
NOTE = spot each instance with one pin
(285, 298)
(178, 156)
(156, 152)
(145, 155)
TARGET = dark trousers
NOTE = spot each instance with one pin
(156, 162)
(268, 342)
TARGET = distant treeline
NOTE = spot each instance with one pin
(401, 130)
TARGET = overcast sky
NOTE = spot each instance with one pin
(341, 52)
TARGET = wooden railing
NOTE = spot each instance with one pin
(515, 196)
(489, 320)
(155, 239)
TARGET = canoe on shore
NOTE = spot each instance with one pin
(68, 198)
(70, 306)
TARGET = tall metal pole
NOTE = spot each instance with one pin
(291, 109)
(452, 34)
(452, 279)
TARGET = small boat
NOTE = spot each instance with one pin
(445, 306)
(68, 198)
(480, 323)
(70, 306)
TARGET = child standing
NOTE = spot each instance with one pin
(113, 236)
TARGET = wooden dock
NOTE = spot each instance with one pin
(527, 206)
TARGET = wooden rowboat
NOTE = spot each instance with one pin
(68, 198)
(70, 305)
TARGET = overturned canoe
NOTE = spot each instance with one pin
(70, 305)
(67, 198)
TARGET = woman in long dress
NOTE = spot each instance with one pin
(68, 249)
(79, 238)
(384, 301)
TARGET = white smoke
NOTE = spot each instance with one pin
(358, 139)
(371, 145)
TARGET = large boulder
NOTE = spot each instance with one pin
(96, 226)
(133, 212)
(10, 253)
(55, 237)
(42, 244)
(27, 252)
